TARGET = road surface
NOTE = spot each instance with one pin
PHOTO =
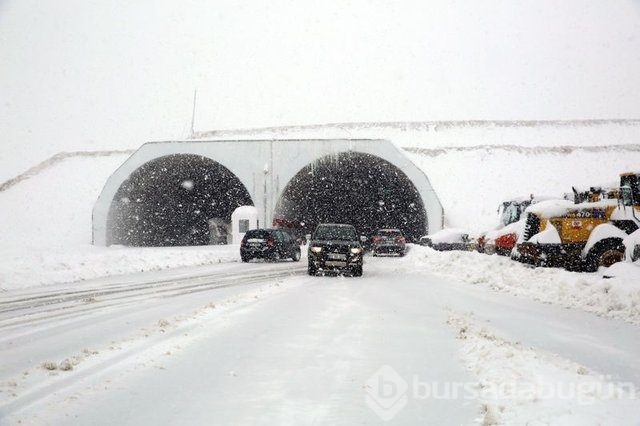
(263, 343)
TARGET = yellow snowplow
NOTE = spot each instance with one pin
(583, 235)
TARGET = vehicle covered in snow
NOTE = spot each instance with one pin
(388, 241)
(503, 238)
(501, 241)
(448, 239)
(335, 247)
(581, 236)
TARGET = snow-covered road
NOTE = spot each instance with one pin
(264, 343)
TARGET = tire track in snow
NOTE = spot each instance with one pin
(44, 307)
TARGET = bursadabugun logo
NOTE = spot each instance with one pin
(386, 393)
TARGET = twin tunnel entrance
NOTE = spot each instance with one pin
(175, 199)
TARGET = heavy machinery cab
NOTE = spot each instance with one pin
(630, 189)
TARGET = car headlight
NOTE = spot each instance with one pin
(356, 250)
(316, 249)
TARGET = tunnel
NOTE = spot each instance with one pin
(175, 200)
(356, 188)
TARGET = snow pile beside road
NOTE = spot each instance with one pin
(28, 268)
(612, 292)
(522, 385)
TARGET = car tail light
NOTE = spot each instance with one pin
(377, 239)
(400, 240)
(270, 242)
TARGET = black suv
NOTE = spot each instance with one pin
(272, 244)
(335, 247)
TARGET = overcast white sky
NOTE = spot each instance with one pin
(100, 74)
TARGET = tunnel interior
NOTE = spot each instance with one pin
(176, 200)
(356, 188)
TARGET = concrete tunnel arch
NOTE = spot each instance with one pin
(173, 200)
(265, 168)
(356, 188)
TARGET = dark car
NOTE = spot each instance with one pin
(335, 247)
(271, 244)
(388, 241)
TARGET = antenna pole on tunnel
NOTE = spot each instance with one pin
(193, 112)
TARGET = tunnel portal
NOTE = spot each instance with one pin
(175, 200)
(356, 188)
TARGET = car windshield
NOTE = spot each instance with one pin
(340, 233)
(257, 233)
(389, 233)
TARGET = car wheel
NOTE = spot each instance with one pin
(296, 255)
(311, 270)
(357, 271)
(275, 257)
(245, 259)
(373, 253)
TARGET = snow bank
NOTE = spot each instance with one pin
(523, 385)
(28, 268)
(612, 292)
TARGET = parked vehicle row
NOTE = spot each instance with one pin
(582, 231)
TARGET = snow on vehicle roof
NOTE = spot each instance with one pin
(447, 235)
(553, 208)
